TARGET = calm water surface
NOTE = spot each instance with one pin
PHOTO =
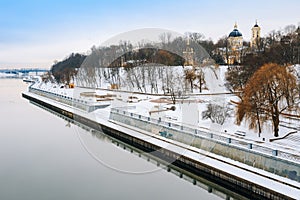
(43, 158)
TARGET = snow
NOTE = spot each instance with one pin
(148, 103)
(251, 174)
(214, 80)
(144, 76)
(297, 69)
(192, 106)
(216, 93)
(8, 75)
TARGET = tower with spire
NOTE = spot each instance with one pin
(255, 37)
(188, 54)
(235, 48)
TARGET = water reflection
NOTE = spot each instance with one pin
(156, 163)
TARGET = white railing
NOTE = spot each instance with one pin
(215, 137)
(78, 103)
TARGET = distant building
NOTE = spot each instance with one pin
(188, 54)
(233, 52)
(234, 46)
(235, 39)
(255, 37)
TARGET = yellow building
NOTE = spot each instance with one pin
(255, 37)
(234, 50)
(188, 54)
(234, 46)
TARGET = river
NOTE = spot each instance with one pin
(45, 157)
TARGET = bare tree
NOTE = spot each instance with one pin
(216, 113)
(201, 79)
(165, 38)
(190, 76)
(270, 91)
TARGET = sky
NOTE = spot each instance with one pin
(35, 33)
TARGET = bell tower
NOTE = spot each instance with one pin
(188, 54)
(255, 38)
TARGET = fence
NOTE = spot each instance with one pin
(279, 162)
(74, 102)
(216, 137)
(86, 106)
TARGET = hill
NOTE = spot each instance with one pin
(64, 70)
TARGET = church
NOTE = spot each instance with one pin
(255, 38)
(235, 49)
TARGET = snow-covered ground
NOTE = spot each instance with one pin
(8, 75)
(189, 110)
(18, 74)
(258, 176)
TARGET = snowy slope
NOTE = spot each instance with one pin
(215, 78)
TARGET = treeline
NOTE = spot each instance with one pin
(148, 55)
(167, 52)
(281, 47)
(266, 82)
(65, 70)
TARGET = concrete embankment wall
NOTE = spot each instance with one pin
(222, 178)
(248, 155)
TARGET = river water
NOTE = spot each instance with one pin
(43, 157)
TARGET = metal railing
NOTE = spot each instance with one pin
(84, 105)
(215, 137)
(78, 103)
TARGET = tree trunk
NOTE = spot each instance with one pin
(200, 84)
(258, 123)
(173, 97)
(200, 87)
(275, 119)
